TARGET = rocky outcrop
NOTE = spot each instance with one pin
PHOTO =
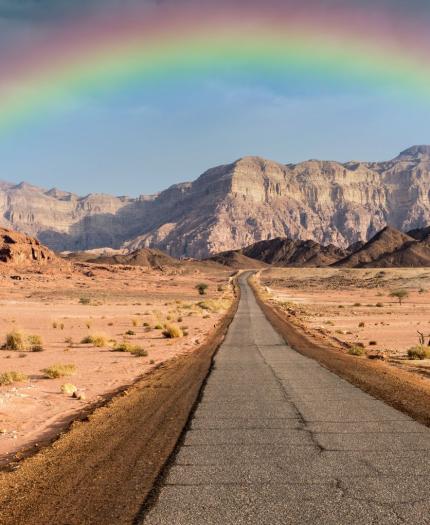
(18, 249)
(390, 248)
(235, 205)
(288, 252)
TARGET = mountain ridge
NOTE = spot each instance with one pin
(232, 206)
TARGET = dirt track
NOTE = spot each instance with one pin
(101, 471)
(398, 388)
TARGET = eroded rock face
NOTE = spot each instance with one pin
(22, 250)
(233, 206)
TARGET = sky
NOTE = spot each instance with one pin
(145, 137)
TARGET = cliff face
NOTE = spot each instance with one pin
(235, 205)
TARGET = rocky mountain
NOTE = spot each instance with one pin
(288, 252)
(147, 257)
(235, 259)
(390, 248)
(233, 206)
(18, 249)
(281, 252)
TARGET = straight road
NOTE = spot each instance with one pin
(277, 439)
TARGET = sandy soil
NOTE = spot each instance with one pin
(122, 299)
(349, 307)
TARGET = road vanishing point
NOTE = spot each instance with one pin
(278, 439)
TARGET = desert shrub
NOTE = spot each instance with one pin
(130, 332)
(419, 352)
(202, 287)
(54, 324)
(356, 304)
(8, 378)
(68, 388)
(146, 325)
(341, 306)
(15, 340)
(158, 326)
(372, 343)
(98, 340)
(138, 351)
(35, 343)
(59, 370)
(88, 324)
(68, 341)
(379, 305)
(361, 324)
(356, 350)
(213, 305)
(135, 322)
(84, 300)
(400, 294)
(135, 350)
(172, 331)
(122, 347)
(151, 362)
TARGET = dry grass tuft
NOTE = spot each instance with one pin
(172, 331)
(8, 378)
(357, 351)
(59, 370)
(16, 341)
(35, 343)
(419, 352)
(97, 340)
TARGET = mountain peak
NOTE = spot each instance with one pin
(416, 152)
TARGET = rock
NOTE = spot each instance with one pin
(233, 206)
(79, 395)
(18, 249)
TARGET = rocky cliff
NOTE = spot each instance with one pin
(18, 249)
(233, 206)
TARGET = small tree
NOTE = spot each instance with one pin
(202, 287)
(400, 294)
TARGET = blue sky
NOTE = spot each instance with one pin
(150, 138)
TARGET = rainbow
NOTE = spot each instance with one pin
(175, 45)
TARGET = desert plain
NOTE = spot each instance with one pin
(358, 311)
(85, 330)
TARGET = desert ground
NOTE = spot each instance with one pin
(83, 331)
(355, 308)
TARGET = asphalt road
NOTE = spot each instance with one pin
(278, 439)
